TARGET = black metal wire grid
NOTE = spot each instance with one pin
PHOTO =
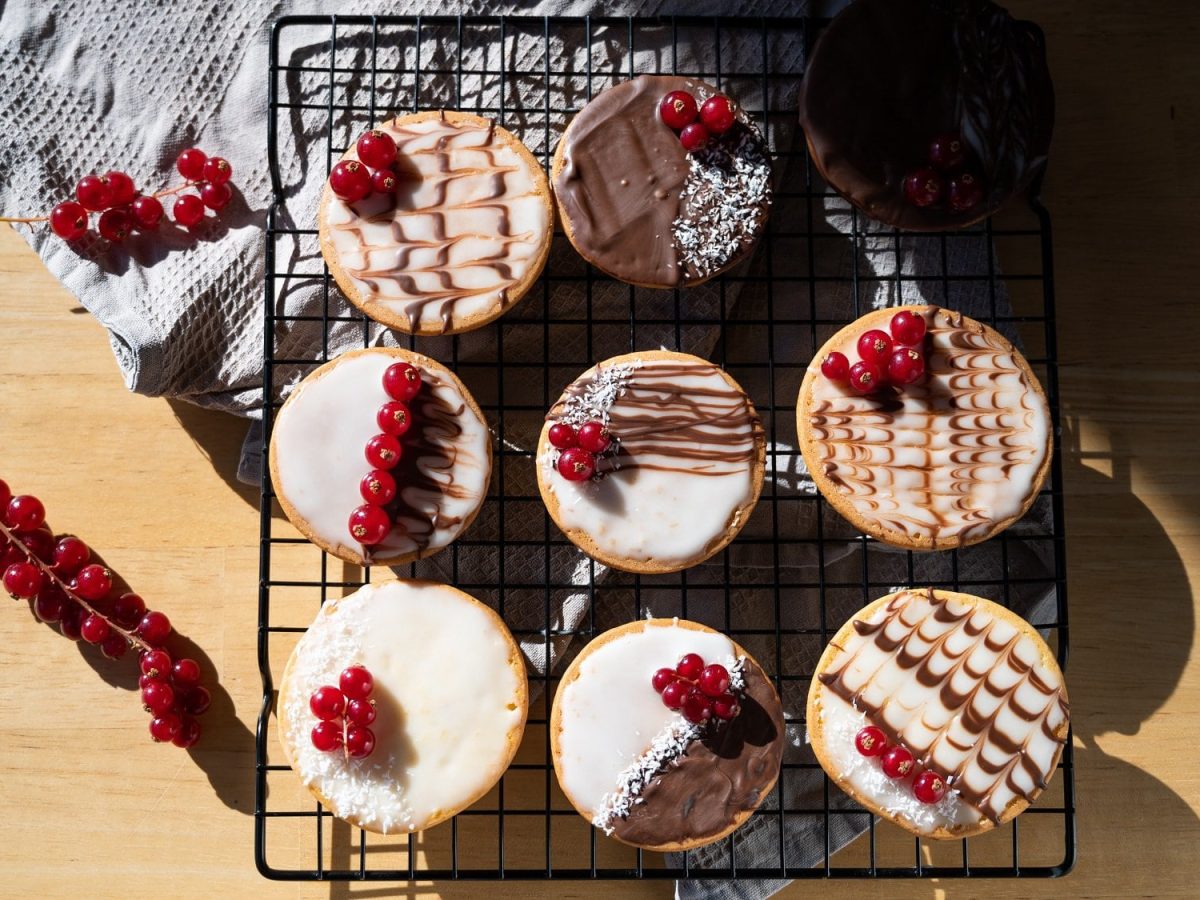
(524, 828)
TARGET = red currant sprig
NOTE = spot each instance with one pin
(345, 712)
(700, 692)
(373, 172)
(122, 208)
(927, 186)
(370, 523)
(66, 588)
(579, 447)
(897, 762)
(884, 358)
(679, 112)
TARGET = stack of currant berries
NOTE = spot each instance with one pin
(372, 173)
(122, 207)
(895, 359)
(698, 691)
(371, 523)
(946, 180)
(696, 126)
(66, 588)
(898, 763)
(345, 714)
(578, 448)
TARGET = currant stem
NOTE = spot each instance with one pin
(133, 639)
(29, 220)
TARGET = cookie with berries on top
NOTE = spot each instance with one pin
(381, 457)
(436, 222)
(978, 723)
(926, 429)
(662, 181)
(402, 704)
(666, 734)
(651, 462)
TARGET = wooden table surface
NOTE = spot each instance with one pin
(94, 809)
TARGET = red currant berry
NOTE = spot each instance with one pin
(5, 493)
(875, 346)
(188, 210)
(865, 377)
(383, 451)
(690, 667)
(185, 673)
(69, 220)
(966, 192)
(197, 701)
(154, 628)
(25, 513)
(661, 679)
(718, 114)
(72, 619)
(144, 680)
(215, 196)
(216, 171)
(383, 181)
(394, 418)
(93, 582)
(594, 437)
(115, 645)
(378, 487)
(576, 464)
(714, 680)
(155, 663)
(726, 707)
(905, 366)
(897, 762)
(49, 604)
(327, 703)
(94, 193)
(360, 741)
(696, 707)
(562, 436)
(376, 149)
(70, 555)
(158, 697)
(95, 629)
(40, 543)
(191, 164)
(947, 151)
(929, 787)
(326, 737)
(356, 683)
(164, 728)
(128, 610)
(836, 367)
(189, 733)
(678, 110)
(674, 693)
(923, 187)
(22, 580)
(147, 212)
(114, 225)
(350, 181)
(369, 525)
(402, 381)
(694, 137)
(870, 741)
(360, 712)
(907, 327)
(123, 188)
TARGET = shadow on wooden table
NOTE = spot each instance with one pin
(219, 437)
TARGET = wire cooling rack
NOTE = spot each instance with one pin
(796, 572)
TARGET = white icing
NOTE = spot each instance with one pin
(446, 696)
(962, 449)
(668, 745)
(449, 247)
(610, 715)
(318, 444)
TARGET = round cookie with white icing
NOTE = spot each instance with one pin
(683, 470)
(466, 234)
(317, 458)
(965, 687)
(646, 774)
(450, 697)
(637, 205)
(948, 461)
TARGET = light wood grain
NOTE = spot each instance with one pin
(92, 808)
